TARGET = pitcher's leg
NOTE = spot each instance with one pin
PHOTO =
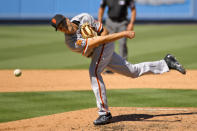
(100, 60)
(100, 93)
(121, 66)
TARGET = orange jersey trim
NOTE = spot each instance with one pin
(85, 48)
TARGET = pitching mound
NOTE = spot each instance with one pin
(133, 119)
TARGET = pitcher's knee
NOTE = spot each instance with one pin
(132, 74)
(94, 72)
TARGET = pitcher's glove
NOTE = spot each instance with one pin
(87, 31)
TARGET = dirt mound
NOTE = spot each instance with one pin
(136, 119)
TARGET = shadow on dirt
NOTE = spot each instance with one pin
(144, 117)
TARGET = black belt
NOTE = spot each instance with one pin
(118, 20)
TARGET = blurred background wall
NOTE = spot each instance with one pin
(146, 9)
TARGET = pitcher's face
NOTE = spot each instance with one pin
(66, 27)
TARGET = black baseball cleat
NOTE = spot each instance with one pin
(103, 119)
(174, 64)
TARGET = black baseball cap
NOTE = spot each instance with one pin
(57, 20)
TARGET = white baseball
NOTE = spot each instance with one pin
(17, 72)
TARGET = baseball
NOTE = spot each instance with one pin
(17, 72)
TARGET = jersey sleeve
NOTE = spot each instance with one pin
(82, 44)
(132, 4)
(98, 26)
(103, 3)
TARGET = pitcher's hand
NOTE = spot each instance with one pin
(130, 34)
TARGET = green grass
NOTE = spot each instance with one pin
(21, 105)
(36, 47)
(40, 47)
(152, 42)
(15, 106)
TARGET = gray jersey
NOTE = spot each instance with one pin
(75, 42)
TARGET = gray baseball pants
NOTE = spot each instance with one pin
(105, 57)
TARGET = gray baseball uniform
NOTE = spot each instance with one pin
(104, 56)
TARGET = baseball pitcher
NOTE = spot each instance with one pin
(85, 35)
